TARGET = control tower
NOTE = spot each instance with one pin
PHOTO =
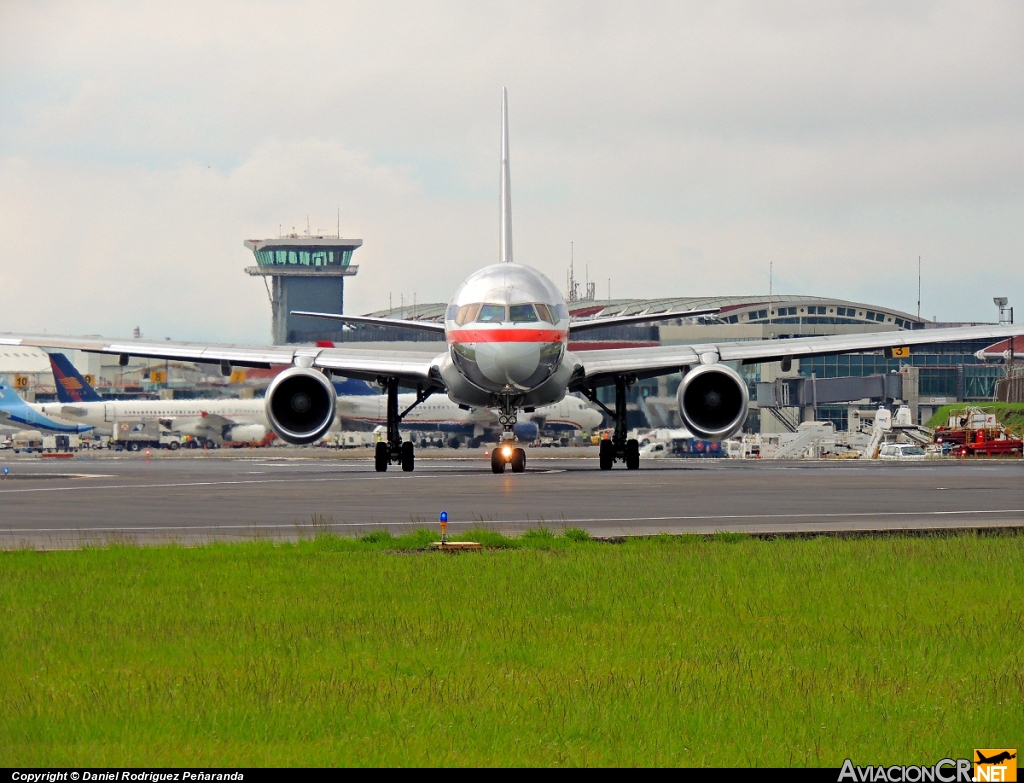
(306, 273)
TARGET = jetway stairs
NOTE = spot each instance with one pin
(799, 445)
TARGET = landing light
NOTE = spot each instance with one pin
(507, 451)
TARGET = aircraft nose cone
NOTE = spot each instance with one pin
(509, 364)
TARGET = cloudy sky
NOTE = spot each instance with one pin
(683, 147)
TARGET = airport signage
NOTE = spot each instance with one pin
(158, 376)
(238, 376)
(20, 381)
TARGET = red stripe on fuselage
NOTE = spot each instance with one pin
(506, 336)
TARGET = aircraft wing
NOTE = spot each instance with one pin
(578, 327)
(367, 320)
(599, 365)
(407, 366)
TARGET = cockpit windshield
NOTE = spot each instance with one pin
(491, 314)
(499, 313)
(522, 314)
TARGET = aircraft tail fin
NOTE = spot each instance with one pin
(10, 400)
(506, 186)
(71, 386)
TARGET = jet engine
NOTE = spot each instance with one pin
(300, 405)
(713, 401)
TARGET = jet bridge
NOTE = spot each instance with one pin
(785, 399)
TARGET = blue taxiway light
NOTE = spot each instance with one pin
(444, 514)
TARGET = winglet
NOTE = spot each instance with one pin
(505, 249)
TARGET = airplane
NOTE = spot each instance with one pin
(996, 759)
(440, 414)
(15, 412)
(507, 330)
(217, 420)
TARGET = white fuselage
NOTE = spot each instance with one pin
(213, 419)
(440, 412)
(507, 329)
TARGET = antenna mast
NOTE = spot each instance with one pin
(919, 288)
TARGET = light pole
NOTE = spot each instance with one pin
(1006, 319)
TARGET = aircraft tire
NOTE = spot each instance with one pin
(380, 457)
(408, 457)
(518, 461)
(632, 454)
(606, 454)
(497, 461)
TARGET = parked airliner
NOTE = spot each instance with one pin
(440, 414)
(15, 412)
(507, 331)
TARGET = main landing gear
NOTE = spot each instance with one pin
(393, 451)
(506, 452)
(617, 447)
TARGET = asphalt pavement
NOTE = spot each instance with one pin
(285, 494)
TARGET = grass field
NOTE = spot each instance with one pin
(545, 650)
(1010, 414)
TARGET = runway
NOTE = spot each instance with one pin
(96, 499)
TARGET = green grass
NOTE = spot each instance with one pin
(547, 649)
(1010, 414)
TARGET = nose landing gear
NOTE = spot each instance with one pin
(505, 454)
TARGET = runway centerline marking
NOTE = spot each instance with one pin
(294, 480)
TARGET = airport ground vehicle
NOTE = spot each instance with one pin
(57, 443)
(507, 331)
(683, 447)
(139, 435)
(27, 442)
(1004, 446)
(901, 451)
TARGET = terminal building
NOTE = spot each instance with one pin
(305, 272)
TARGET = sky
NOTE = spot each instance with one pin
(683, 148)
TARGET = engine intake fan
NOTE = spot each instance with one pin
(300, 405)
(713, 401)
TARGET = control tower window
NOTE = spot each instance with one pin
(491, 314)
(522, 314)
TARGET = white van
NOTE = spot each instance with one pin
(901, 451)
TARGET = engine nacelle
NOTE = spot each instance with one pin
(713, 401)
(300, 405)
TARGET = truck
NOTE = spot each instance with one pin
(139, 435)
(60, 443)
(27, 441)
